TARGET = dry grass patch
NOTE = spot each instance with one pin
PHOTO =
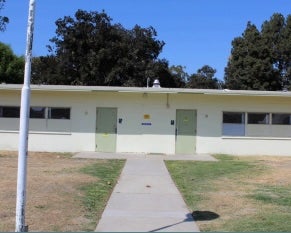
(54, 192)
(248, 193)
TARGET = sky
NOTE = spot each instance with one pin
(195, 32)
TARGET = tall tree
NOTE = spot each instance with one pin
(276, 34)
(204, 79)
(250, 65)
(89, 50)
(286, 41)
(11, 66)
(3, 19)
(260, 60)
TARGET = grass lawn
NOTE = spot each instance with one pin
(63, 194)
(237, 193)
(97, 193)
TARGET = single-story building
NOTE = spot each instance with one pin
(148, 120)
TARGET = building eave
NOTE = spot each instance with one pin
(66, 88)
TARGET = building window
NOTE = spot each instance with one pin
(259, 118)
(9, 112)
(59, 113)
(281, 119)
(233, 124)
(37, 112)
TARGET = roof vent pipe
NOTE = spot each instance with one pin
(148, 81)
(156, 84)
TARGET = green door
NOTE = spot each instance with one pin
(106, 123)
(185, 131)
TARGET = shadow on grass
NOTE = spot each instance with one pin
(204, 215)
(194, 216)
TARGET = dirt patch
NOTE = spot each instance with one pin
(279, 171)
(53, 194)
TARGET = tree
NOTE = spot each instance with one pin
(166, 76)
(180, 75)
(286, 54)
(204, 79)
(11, 66)
(46, 70)
(3, 19)
(90, 50)
(276, 34)
(250, 64)
(260, 60)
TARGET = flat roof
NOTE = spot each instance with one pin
(67, 88)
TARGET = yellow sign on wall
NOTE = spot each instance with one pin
(146, 116)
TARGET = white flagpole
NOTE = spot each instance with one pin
(24, 127)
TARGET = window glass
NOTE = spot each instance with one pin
(233, 124)
(10, 112)
(233, 117)
(37, 112)
(59, 113)
(258, 118)
(281, 119)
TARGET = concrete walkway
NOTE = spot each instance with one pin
(145, 198)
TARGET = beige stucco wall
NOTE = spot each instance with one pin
(78, 134)
(256, 141)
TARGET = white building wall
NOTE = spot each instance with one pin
(211, 140)
(78, 134)
(153, 135)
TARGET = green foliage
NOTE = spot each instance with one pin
(204, 79)
(276, 34)
(166, 77)
(260, 60)
(3, 19)
(89, 50)
(11, 66)
(46, 70)
(179, 74)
